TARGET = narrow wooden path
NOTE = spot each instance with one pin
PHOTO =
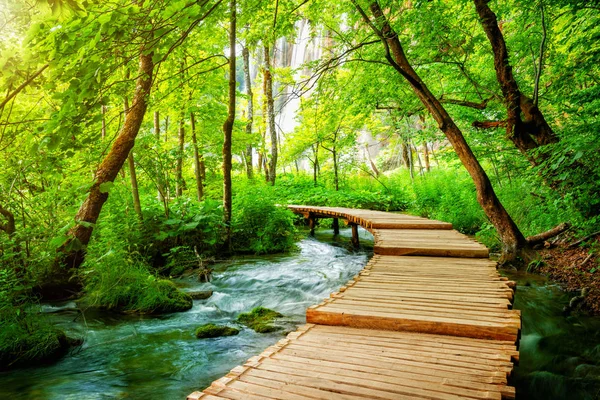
(429, 317)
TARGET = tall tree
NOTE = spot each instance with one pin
(514, 243)
(270, 113)
(228, 126)
(249, 110)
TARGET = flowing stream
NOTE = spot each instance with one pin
(159, 357)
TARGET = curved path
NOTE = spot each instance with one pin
(428, 317)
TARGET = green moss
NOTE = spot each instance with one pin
(28, 339)
(129, 287)
(260, 319)
(213, 331)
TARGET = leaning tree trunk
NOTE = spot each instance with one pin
(270, 115)
(228, 128)
(514, 242)
(197, 171)
(526, 134)
(249, 110)
(71, 254)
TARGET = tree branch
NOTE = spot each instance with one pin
(541, 237)
(538, 72)
(489, 124)
(23, 86)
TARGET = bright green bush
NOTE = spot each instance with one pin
(448, 195)
(259, 225)
(122, 282)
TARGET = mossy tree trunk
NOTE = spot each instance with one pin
(72, 253)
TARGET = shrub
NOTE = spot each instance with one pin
(122, 282)
(449, 195)
(259, 226)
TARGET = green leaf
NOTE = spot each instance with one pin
(106, 186)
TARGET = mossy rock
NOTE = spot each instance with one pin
(174, 299)
(21, 348)
(260, 320)
(212, 331)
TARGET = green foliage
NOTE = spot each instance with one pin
(212, 331)
(260, 319)
(27, 338)
(450, 196)
(171, 240)
(259, 225)
(300, 189)
(121, 282)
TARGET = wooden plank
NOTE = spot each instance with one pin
(444, 326)
(392, 384)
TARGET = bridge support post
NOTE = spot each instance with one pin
(312, 223)
(355, 241)
(336, 226)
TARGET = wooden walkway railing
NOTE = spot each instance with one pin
(429, 317)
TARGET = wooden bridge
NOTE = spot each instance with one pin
(427, 318)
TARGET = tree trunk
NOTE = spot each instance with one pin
(9, 227)
(534, 131)
(137, 205)
(426, 156)
(335, 170)
(270, 115)
(166, 129)
(71, 254)
(159, 178)
(179, 183)
(373, 166)
(249, 110)
(228, 127)
(197, 172)
(514, 242)
(103, 122)
(416, 152)
(135, 194)
(405, 155)
(411, 164)
(316, 163)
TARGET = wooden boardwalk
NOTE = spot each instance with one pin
(427, 318)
